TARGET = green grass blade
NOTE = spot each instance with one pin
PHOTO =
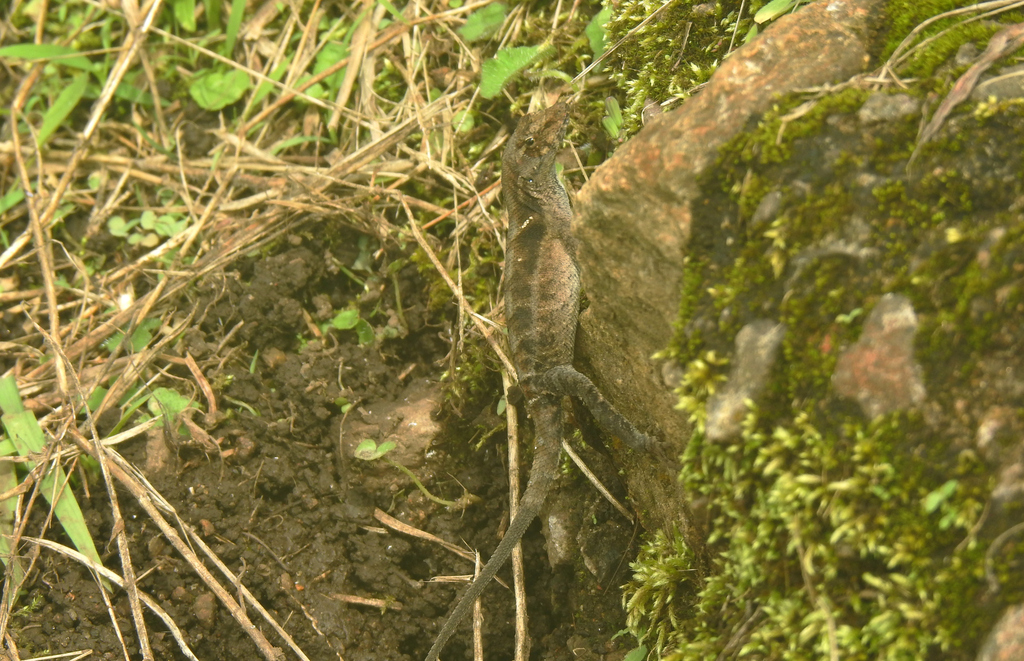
(234, 23)
(8, 481)
(386, 4)
(65, 55)
(9, 401)
(62, 107)
(185, 14)
(212, 14)
(12, 197)
(28, 438)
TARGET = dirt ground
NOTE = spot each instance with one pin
(285, 505)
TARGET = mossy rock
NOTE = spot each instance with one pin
(834, 529)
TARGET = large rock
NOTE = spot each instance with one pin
(838, 306)
(634, 220)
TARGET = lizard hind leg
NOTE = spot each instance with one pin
(565, 380)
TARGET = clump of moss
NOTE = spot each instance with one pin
(672, 54)
(945, 36)
(662, 591)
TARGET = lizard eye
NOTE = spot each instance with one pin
(529, 141)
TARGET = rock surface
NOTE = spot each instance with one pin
(634, 220)
(882, 449)
(879, 371)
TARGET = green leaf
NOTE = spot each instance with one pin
(143, 334)
(8, 481)
(612, 121)
(345, 319)
(368, 450)
(264, 88)
(214, 90)
(396, 266)
(773, 10)
(636, 654)
(148, 220)
(464, 121)
(213, 14)
(118, 226)
(63, 105)
(24, 431)
(10, 400)
(170, 401)
(169, 225)
(146, 240)
(484, 22)
(596, 33)
(95, 398)
(332, 53)
(36, 51)
(185, 14)
(506, 64)
(141, 337)
(364, 332)
(936, 498)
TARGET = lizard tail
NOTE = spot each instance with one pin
(547, 451)
(564, 380)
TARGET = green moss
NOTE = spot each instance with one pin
(653, 63)
(662, 591)
(946, 35)
(658, 62)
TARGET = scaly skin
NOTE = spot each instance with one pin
(542, 298)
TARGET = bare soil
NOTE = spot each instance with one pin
(281, 500)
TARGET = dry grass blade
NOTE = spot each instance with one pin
(983, 10)
(111, 576)
(395, 524)
(522, 650)
(126, 475)
(1004, 42)
(477, 320)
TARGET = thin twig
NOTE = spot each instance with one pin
(522, 649)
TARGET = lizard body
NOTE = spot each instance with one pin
(542, 298)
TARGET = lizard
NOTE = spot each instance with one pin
(542, 303)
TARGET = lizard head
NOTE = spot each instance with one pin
(529, 156)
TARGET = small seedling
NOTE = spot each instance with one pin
(152, 229)
(349, 320)
(368, 450)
